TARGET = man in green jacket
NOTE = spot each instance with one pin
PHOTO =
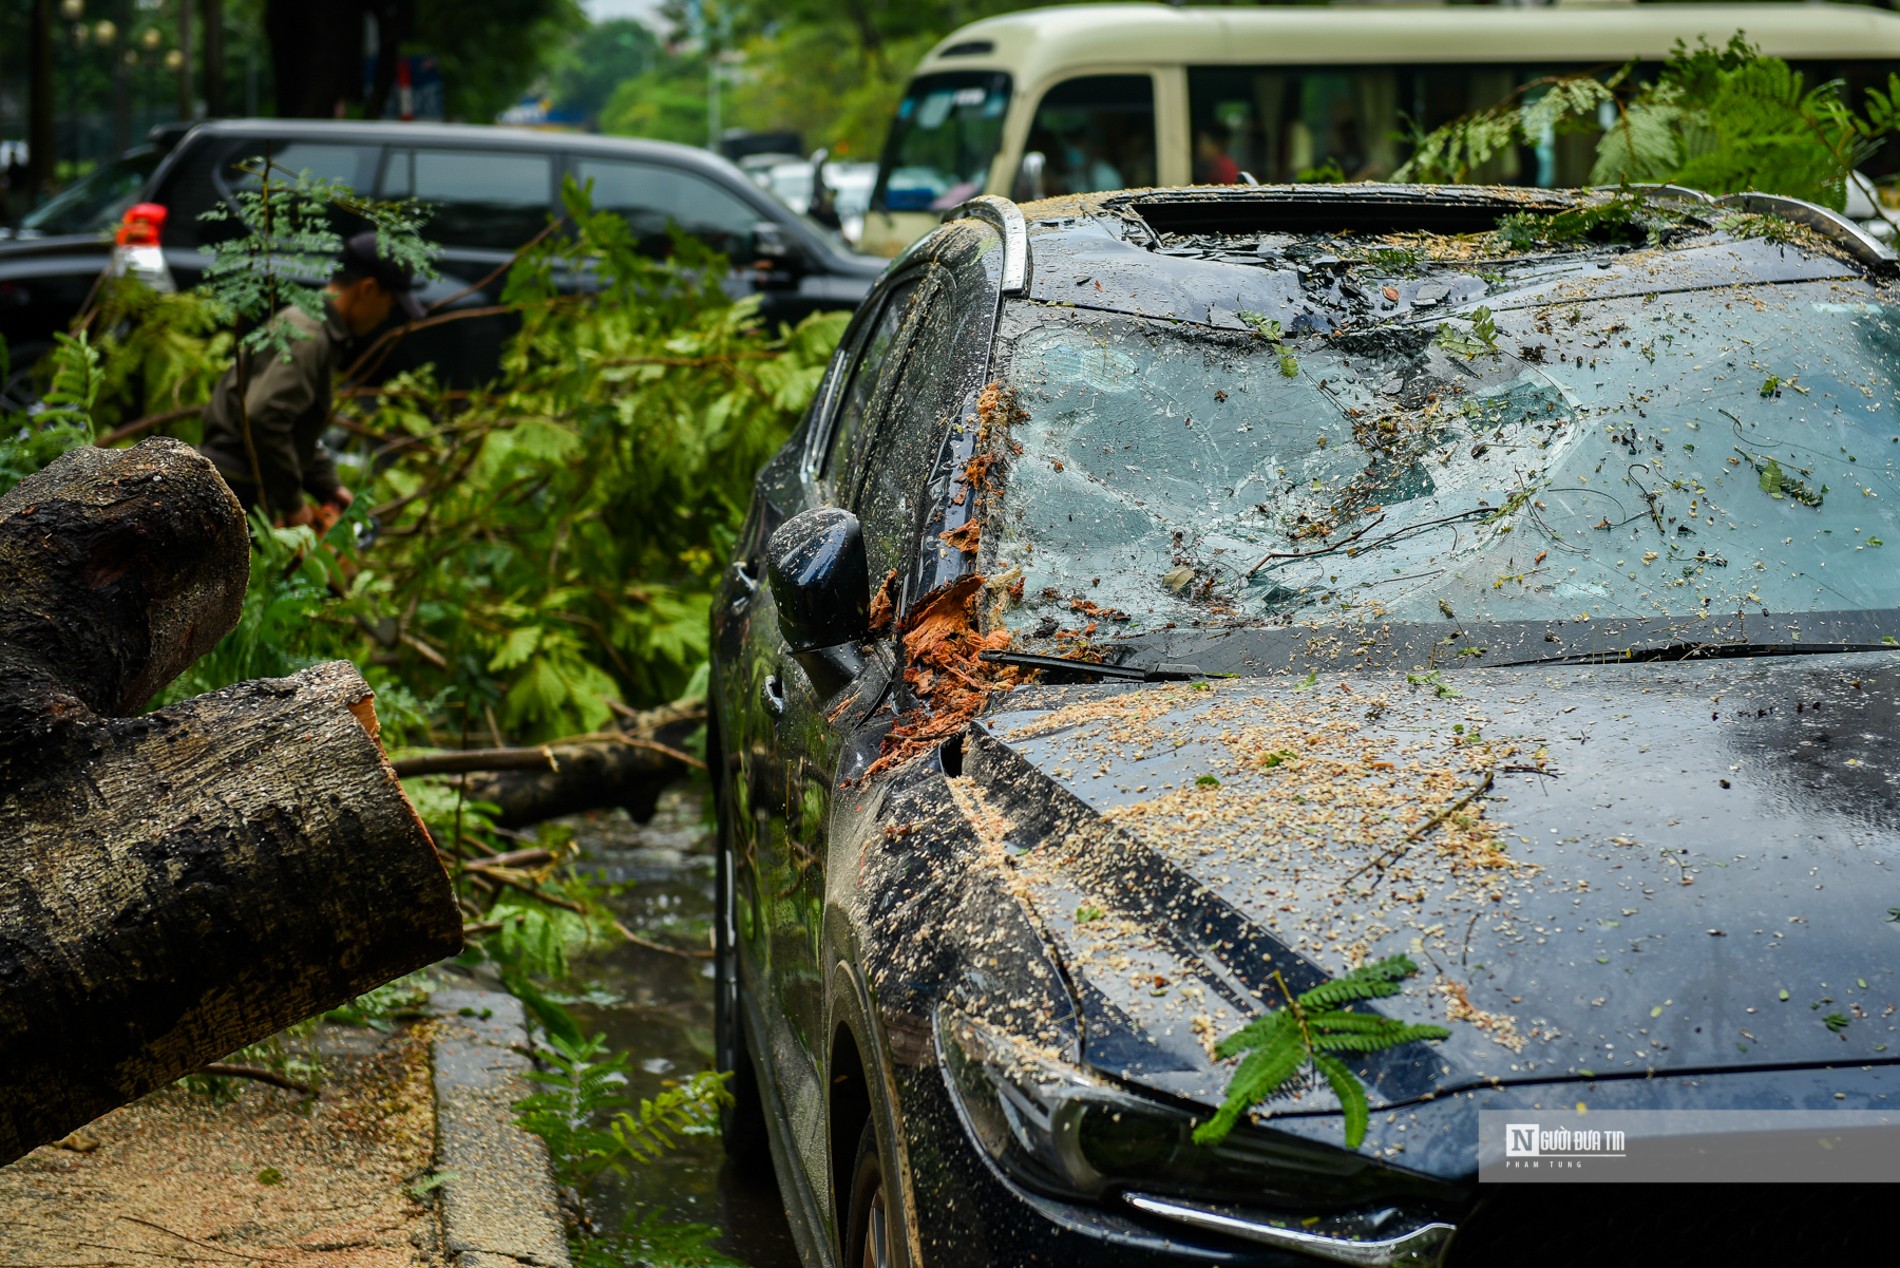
(285, 404)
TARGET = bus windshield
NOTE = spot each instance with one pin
(946, 134)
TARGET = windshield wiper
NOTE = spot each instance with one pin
(1088, 668)
(1694, 651)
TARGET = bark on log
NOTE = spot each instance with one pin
(589, 774)
(176, 885)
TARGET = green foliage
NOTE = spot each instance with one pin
(1611, 220)
(63, 420)
(381, 1007)
(605, 55)
(1479, 339)
(490, 53)
(161, 353)
(1716, 119)
(1313, 1027)
(1270, 330)
(562, 530)
(590, 1124)
(289, 245)
(651, 1240)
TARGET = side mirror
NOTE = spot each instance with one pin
(820, 582)
(1028, 186)
(776, 259)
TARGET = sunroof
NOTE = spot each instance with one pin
(1347, 210)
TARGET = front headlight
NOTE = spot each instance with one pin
(1055, 1128)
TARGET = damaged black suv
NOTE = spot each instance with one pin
(1175, 600)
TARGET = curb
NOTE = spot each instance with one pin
(499, 1208)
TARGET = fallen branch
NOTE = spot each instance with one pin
(259, 1073)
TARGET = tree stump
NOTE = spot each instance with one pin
(174, 885)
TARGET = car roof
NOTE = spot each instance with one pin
(1209, 254)
(470, 136)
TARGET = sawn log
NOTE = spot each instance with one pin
(174, 885)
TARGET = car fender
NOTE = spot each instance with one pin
(851, 1011)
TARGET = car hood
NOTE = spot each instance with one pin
(1600, 871)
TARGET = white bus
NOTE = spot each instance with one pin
(1105, 96)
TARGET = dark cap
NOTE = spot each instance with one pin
(361, 259)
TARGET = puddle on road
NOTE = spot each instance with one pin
(664, 1018)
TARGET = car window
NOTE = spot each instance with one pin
(481, 198)
(900, 451)
(653, 197)
(874, 362)
(352, 164)
(95, 203)
(1094, 133)
(207, 174)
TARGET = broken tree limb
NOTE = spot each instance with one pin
(626, 768)
(174, 885)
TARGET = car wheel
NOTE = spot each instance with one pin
(872, 1234)
(742, 1123)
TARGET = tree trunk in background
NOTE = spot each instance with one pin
(175, 885)
(590, 774)
(316, 55)
(41, 141)
(213, 16)
(187, 82)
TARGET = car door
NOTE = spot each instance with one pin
(485, 205)
(787, 732)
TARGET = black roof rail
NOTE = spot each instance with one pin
(1007, 218)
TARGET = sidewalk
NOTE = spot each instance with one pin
(273, 1178)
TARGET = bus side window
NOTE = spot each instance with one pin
(1294, 122)
(1094, 133)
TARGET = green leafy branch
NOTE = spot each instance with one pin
(290, 243)
(1480, 339)
(1310, 1030)
(1721, 120)
(582, 1086)
(1270, 330)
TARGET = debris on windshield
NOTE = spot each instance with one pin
(1476, 336)
(1777, 483)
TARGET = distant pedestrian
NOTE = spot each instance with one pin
(266, 439)
(1212, 164)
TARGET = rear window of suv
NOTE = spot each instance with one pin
(492, 199)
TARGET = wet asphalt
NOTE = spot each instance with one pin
(658, 1007)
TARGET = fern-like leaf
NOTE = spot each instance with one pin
(1352, 1096)
(1260, 1074)
(1369, 981)
(1258, 1033)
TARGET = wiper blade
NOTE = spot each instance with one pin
(1693, 651)
(1089, 668)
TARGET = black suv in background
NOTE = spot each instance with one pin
(492, 190)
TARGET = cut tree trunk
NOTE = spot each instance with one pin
(175, 885)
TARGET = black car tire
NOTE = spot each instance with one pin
(871, 1237)
(742, 1123)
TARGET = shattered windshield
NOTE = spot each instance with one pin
(1673, 454)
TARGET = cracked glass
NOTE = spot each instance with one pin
(1687, 454)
